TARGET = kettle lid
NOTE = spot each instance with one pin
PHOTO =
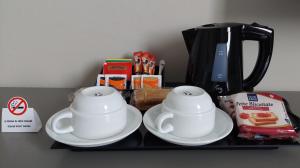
(220, 25)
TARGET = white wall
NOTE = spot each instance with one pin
(59, 43)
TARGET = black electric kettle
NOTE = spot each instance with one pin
(216, 56)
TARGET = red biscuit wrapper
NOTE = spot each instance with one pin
(259, 116)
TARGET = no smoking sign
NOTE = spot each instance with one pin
(18, 117)
(17, 105)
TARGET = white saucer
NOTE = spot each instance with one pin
(134, 120)
(222, 128)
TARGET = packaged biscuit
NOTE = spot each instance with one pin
(100, 80)
(144, 99)
(117, 81)
(138, 65)
(261, 116)
(136, 81)
(151, 81)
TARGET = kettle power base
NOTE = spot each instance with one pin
(144, 140)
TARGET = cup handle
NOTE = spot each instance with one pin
(160, 120)
(56, 119)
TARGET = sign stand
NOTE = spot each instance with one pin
(18, 117)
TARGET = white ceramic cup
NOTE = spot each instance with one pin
(96, 112)
(188, 112)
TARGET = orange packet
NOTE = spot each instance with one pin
(117, 81)
(100, 80)
(136, 81)
(151, 81)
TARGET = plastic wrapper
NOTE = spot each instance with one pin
(259, 116)
(144, 99)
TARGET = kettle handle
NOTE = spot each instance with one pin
(265, 36)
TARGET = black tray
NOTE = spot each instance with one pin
(144, 140)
